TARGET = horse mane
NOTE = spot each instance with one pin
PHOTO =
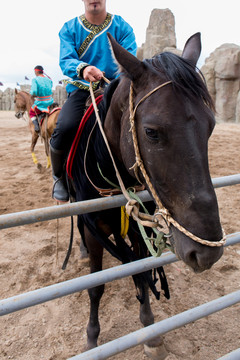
(26, 95)
(25, 92)
(183, 75)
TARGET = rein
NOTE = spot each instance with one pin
(132, 206)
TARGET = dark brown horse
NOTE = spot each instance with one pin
(163, 128)
(23, 102)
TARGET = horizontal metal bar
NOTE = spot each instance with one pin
(234, 355)
(141, 336)
(60, 211)
(88, 206)
(226, 180)
(64, 288)
(68, 287)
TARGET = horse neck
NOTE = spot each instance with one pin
(28, 100)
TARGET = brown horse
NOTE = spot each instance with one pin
(157, 123)
(23, 102)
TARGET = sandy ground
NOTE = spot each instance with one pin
(32, 255)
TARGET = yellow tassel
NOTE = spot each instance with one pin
(34, 158)
(48, 162)
(124, 222)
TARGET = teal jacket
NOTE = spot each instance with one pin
(42, 89)
(82, 43)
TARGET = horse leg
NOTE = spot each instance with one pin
(46, 143)
(154, 348)
(80, 224)
(83, 250)
(95, 294)
(33, 143)
(45, 136)
(49, 125)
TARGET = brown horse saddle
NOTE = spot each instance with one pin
(52, 108)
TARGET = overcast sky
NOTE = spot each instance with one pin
(29, 29)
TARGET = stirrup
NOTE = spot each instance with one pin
(59, 191)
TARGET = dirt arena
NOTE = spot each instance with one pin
(31, 258)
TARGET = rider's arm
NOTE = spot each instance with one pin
(33, 90)
(69, 59)
(125, 36)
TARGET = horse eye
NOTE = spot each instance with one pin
(151, 133)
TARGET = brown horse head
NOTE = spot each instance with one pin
(23, 102)
(173, 125)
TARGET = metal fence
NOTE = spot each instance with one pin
(105, 351)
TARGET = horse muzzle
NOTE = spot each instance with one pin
(19, 114)
(197, 256)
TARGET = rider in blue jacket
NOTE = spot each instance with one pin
(85, 55)
(41, 88)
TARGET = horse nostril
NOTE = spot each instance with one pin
(193, 258)
(197, 262)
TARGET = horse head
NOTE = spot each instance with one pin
(20, 105)
(174, 118)
(23, 101)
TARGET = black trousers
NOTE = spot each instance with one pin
(69, 120)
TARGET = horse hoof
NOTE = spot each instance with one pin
(39, 166)
(84, 256)
(156, 352)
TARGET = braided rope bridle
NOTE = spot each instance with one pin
(132, 206)
(139, 164)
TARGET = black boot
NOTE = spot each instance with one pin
(36, 125)
(60, 191)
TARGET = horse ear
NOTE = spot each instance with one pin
(127, 62)
(16, 91)
(192, 48)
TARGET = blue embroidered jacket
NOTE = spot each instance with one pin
(82, 43)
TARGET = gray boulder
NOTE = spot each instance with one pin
(222, 73)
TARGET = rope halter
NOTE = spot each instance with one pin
(133, 202)
(139, 165)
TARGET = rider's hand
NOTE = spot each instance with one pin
(91, 73)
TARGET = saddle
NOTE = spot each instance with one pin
(52, 108)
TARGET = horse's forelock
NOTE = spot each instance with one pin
(183, 75)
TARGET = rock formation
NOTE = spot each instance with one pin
(7, 99)
(159, 35)
(222, 73)
(60, 95)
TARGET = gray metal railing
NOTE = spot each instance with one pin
(141, 336)
(234, 355)
(60, 211)
(39, 296)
